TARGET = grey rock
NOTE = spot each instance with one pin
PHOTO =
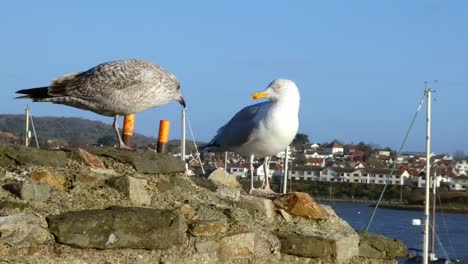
(238, 215)
(229, 193)
(286, 216)
(94, 177)
(306, 246)
(238, 246)
(135, 189)
(206, 227)
(11, 155)
(119, 227)
(377, 246)
(143, 161)
(340, 247)
(205, 212)
(221, 178)
(37, 192)
(8, 205)
(257, 205)
(207, 247)
(262, 247)
(23, 230)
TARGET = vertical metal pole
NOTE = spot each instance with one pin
(251, 173)
(128, 129)
(225, 161)
(182, 143)
(163, 136)
(434, 186)
(428, 172)
(26, 132)
(286, 161)
(34, 129)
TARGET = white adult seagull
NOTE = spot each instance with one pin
(263, 129)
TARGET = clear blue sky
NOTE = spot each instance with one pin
(360, 65)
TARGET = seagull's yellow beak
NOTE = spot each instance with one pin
(259, 95)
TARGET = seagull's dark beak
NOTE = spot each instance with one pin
(181, 101)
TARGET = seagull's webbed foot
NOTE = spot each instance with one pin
(117, 133)
(268, 190)
(252, 191)
(262, 192)
(125, 147)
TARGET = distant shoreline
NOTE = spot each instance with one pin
(395, 205)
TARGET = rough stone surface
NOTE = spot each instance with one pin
(238, 246)
(87, 158)
(94, 177)
(339, 247)
(135, 189)
(377, 246)
(306, 246)
(301, 204)
(11, 155)
(221, 177)
(187, 210)
(229, 193)
(50, 177)
(207, 247)
(257, 205)
(206, 227)
(286, 216)
(142, 161)
(262, 247)
(8, 205)
(23, 230)
(31, 191)
(238, 216)
(119, 227)
(252, 224)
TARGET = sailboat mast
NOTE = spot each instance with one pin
(434, 186)
(428, 93)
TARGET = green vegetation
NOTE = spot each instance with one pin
(75, 131)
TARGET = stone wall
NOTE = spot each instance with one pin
(103, 205)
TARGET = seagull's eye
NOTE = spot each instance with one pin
(277, 87)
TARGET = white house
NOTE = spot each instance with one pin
(305, 173)
(241, 169)
(282, 154)
(462, 167)
(312, 154)
(438, 179)
(316, 162)
(274, 169)
(459, 183)
(334, 148)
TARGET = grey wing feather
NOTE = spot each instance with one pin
(239, 129)
(105, 77)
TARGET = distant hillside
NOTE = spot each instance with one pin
(68, 128)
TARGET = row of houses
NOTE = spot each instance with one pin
(337, 163)
(359, 174)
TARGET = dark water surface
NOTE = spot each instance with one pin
(452, 229)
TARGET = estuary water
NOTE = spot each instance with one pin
(451, 229)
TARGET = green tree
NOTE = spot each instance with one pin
(300, 139)
(459, 154)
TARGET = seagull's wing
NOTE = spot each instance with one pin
(105, 77)
(240, 128)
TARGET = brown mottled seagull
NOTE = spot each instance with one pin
(111, 89)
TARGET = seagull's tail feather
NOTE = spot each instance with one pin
(36, 94)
